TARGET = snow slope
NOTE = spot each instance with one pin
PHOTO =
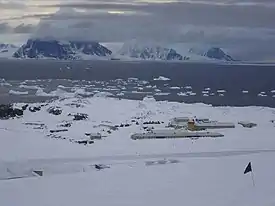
(7, 50)
(208, 171)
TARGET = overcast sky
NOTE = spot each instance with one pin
(244, 26)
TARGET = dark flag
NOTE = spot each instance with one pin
(248, 168)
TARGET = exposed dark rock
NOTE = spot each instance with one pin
(18, 112)
(34, 124)
(55, 110)
(123, 125)
(76, 105)
(85, 142)
(7, 111)
(54, 136)
(108, 126)
(25, 107)
(34, 109)
(66, 124)
(101, 166)
(79, 116)
(152, 122)
(58, 130)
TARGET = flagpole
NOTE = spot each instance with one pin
(252, 176)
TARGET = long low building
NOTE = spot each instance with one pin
(198, 123)
(180, 122)
(213, 125)
(169, 134)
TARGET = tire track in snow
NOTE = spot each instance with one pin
(142, 157)
(22, 169)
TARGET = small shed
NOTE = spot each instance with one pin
(94, 136)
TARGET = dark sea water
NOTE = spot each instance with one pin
(95, 76)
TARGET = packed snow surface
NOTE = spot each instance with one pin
(194, 172)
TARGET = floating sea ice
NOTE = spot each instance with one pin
(182, 94)
(103, 94)
(28, 86)
(207, 89)
(41, 93)
(143, 82)
(188, 87)
(157, 90)
(133, 79)
(61, 86)
(221, 91)
(162, 94)
(244, 91)
(162, 78)
(13, 92)
(205, 95)
(120, 94)
(205, 92)
(174, 87)
(262, 95)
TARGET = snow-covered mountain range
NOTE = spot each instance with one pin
(156, 51)
(48, 48)
(149, 52)
(218, 53)
(212, 53)
(65, 50)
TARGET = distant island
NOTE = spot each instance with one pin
(48, 48)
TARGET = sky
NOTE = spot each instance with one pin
(245, 27)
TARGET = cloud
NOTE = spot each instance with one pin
(7, 29)
(24, 29)
(4, 28)
(12, 5)
(218, 13)
(229, 23)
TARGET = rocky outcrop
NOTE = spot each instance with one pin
(218, 53)
(7, 111)
(55, 110)
(55, 49)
